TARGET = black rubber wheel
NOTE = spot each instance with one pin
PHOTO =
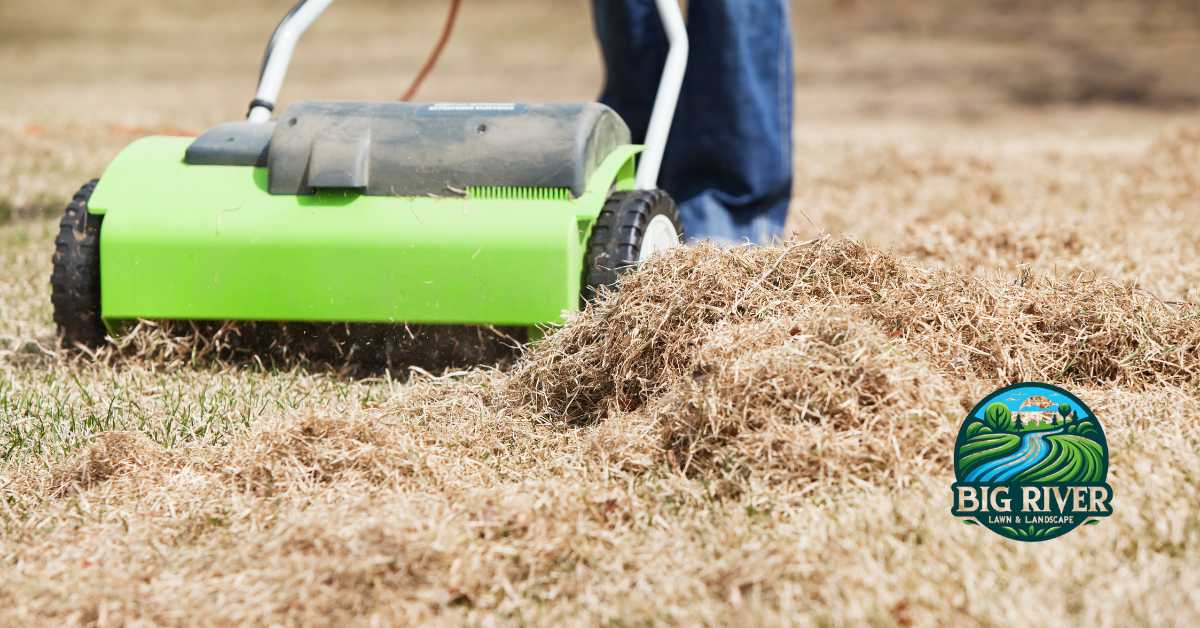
(75, 280)
(617, 237)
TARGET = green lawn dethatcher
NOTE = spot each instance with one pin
(468, 215)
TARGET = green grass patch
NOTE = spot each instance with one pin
(975, 428)
(48, 415)
(985, 447)
(1072, 458)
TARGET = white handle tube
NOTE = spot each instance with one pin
(668, 94)
(279, 55)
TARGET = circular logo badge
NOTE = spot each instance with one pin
(1031, 464)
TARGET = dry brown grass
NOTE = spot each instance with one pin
(737, 436)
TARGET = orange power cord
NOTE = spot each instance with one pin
(434, 54)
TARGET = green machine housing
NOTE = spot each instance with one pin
(471, 214)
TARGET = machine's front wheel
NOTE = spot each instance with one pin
(631, 227)
(75, 280)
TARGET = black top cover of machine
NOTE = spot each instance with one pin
(408, 149)
(232, 144)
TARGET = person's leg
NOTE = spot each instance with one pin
(729, 159)
(634, 46)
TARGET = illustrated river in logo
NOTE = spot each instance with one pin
(1031, 464)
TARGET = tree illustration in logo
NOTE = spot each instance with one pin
(998, 417)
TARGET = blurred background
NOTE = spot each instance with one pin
(79, 80)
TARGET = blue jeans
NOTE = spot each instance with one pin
(728, 161)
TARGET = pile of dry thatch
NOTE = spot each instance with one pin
(769, 358)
